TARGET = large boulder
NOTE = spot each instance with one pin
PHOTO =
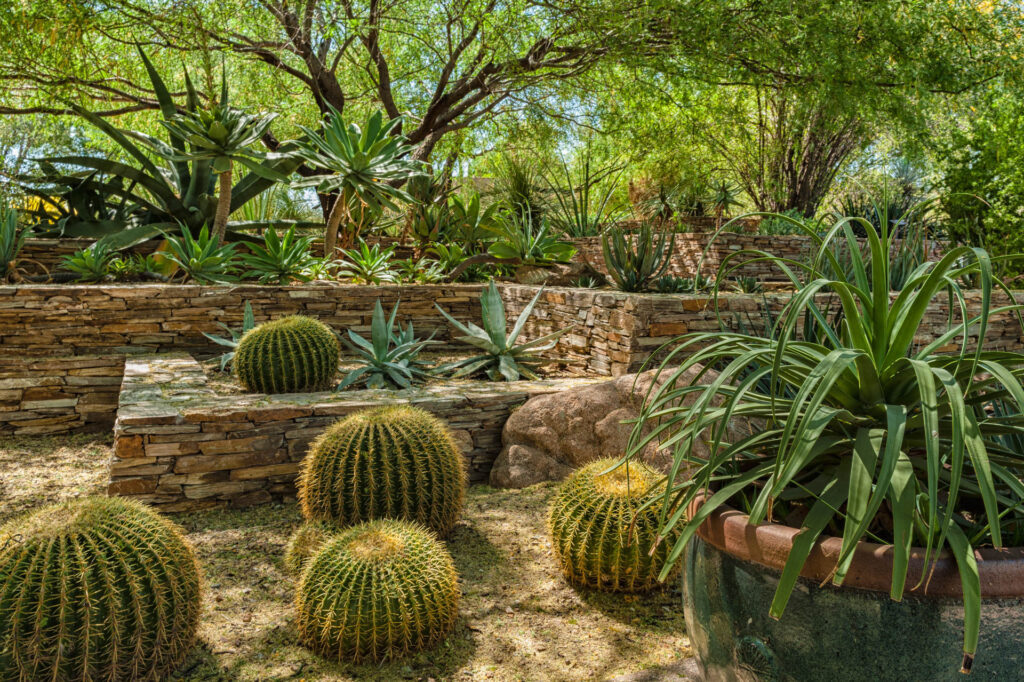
(552, 435)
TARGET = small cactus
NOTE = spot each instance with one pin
(305, 543)
(379, 590)
(391, 462)
(289, 355)
(601, 536)
(95, 589)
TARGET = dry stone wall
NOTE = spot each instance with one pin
(179, 446)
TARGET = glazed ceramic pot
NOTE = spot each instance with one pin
(851, 633)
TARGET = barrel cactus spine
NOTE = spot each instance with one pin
(602, 536)
(288, 355)
(390, 462)
(376, 591)
(305, 542)
(95, 588)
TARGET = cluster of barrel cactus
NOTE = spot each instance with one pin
(378, 590)
(391, 462)
(305, 543)
(289, 355)
(95, 589)
(602, 535)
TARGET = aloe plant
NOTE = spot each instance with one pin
(368, 264)
(234, 336)
(162, 185)
(472, 226)
(91, 264)
(200, 258)
(502, 357)
(280, 260)
(362, 166)
(389, 359)
(634, 264)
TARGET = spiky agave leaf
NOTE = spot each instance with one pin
(389, 358)
(289, 355)
(602, 531)
(380, 590)
(395, 461)
(95, 588)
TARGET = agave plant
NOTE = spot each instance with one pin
(161, 186)
(529, 240)
(201, 259)
(635, 263)
(421, 270)
(362, 166)
(91, 264)
(12, 241)
(280, 260)
(502, 358)
(234, 336)
(861, 433)
(368, 264)
(389, 359)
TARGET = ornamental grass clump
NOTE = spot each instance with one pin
(865, 433)
(602, 531)
(379, 590)
(391, 462)
(289, 355)
(95, 589)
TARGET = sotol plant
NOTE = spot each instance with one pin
(380, 590)
(394, 462)
(96, 588)
(289, 355)
(501, 357)
(602, 531)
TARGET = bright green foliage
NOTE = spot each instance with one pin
(394, 462)
(90, 264)
(635, 260)
(472, 226)
(201, 259)
(280, 260)
(248, 322)
(368, 264)
(292, 354)
(304, 544)
(529, 240)
(389, 358)
(602, 531)
(95, 589)
(502, 358)
(12, 239)
(380, 590)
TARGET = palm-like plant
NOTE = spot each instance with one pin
(280, 260)
(724, 196)
(502, 358)
(858, 429)
(389, 359)
(368, 264)
(362, 166)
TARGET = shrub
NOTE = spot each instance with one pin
(377, 591)
(288, 355)
(305, 543)
(95, 588)
(602, 533)
(395, 462)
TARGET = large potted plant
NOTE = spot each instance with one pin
(867, 524)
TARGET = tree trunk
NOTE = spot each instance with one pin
(220, 221)
(331, 233)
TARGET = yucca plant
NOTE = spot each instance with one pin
(389, 358)
(234, 336)
(529, 240)
(635, 260)
(860, 430)
(368, 264)
(280, 260)
(91, 264)
(201, 259)
(362, 166)
(502, 358)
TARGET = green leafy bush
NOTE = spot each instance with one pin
(292, 354)
(96, 588)
(502, 358)
(392, 462)
(604, 535)
(380, 590)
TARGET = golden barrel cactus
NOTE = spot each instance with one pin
(392, 462)
(95, 589)
(379, 590)
(601, 536)
(289, 355)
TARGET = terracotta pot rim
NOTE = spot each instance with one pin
(769, 544)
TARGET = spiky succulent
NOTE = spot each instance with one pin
(380, 590)
(305, 542)
(389, 359)
(95, 589)
(288, 355)
(395, 462)
(601, 533)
